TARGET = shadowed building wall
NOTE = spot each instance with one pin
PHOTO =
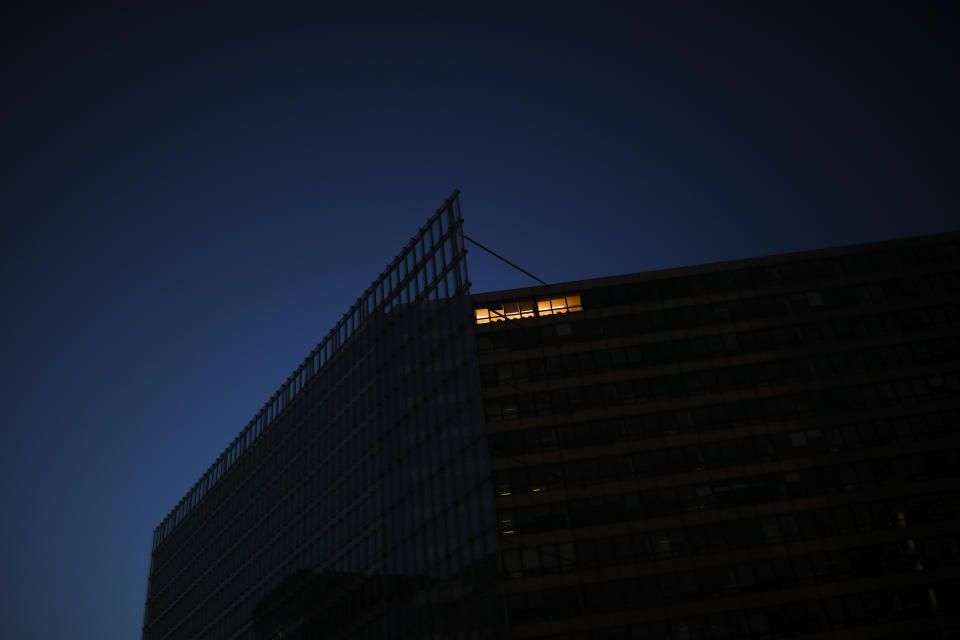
(756, 449)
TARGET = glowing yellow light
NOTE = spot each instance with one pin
(528, 309)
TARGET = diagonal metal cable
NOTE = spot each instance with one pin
(497, 255)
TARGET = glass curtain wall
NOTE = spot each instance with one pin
(360, 504)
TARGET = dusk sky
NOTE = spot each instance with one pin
(191, 198)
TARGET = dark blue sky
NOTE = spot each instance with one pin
(192, 197)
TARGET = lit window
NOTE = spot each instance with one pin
(528, 309)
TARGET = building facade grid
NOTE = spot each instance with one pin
(765, 448)
(759, 449)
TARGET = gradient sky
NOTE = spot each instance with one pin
(192, 197)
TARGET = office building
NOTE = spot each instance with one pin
(765, 448)
(754, 449)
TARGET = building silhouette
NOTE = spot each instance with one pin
(763, 448)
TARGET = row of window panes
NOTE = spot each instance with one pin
(712, 381)
(711, 455)
(863, 561)
(710, 583)
(446, 282)
(720, 313)
(734, 492)
(717, 346)
(857, 435)
(735, 535)
(525, 309)
(798, 618)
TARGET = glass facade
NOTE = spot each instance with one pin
(358, 503)
(759, 449)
